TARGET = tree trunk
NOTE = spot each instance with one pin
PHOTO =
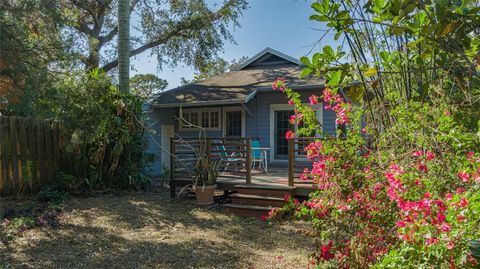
(124, 45)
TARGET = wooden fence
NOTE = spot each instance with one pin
(234, 153)
(31, 153)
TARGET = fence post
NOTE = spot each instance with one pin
(291, 160)
(5, 143)
(14, 154)
(248, 161)
(172, 168)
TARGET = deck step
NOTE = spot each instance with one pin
(256, 200)
(247, 210)
(264, 190)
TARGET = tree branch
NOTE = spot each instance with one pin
(178, 29)
(108, 37)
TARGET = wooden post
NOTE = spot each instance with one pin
(248, 161)
(5, 141)
(14, 154)
(172, 168)
(291, 160)
(209, 149)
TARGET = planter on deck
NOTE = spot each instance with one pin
(204, 195)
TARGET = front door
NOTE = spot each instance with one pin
(166, 132)
(282, 125)
(233, 123)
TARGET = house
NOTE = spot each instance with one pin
(240, 103)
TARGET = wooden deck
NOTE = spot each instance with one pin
(277, 176)
(237, 170)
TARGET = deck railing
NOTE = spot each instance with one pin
(234, 154)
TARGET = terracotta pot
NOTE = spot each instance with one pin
(204, 195)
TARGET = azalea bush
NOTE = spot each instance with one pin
(398, 185)
(392, 205)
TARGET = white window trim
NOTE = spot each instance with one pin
(274, 107)
(224, 118)
(200, 111)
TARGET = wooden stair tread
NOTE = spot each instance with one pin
(264, 187)
(249, 207)
(253, 196)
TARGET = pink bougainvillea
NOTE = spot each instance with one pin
(367, 207)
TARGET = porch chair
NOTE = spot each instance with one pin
(232, 158)
(257, 155)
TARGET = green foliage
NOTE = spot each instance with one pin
(206, 172)
(22, 223)
(183, 31)
(104, 130)
(146, 85)
(54, 194)
(411, 71)
(30, 41)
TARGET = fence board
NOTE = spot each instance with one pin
(14, 152)
(4, 135)
(31, 153)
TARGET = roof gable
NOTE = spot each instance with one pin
(268, 56)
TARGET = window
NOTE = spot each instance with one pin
(193, 119)
(233, 124)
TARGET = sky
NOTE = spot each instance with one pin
(279, 24)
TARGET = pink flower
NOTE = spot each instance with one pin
(418, 153)
(279, 257)
(448, 196)
(470, 155)
(327, 107)
(293, 119)
(289, 134)
(290, 102)
(422, 166)
(463, 202)
(364, 131)
(459, 190)
(264, 217)
(430, 155)
(286, 197)
(325, 252)
(445, 228)
(431, 241)
(450, 245)
(447, 113)
(401, 223)
(313, 99)
(464, 176)
(441, 218)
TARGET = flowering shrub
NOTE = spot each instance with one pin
(395, 205)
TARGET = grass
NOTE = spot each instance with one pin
(153, 231)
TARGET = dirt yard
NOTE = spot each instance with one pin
(153, 231)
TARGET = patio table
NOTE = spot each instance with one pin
(265, 158)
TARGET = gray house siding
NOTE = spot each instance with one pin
(256, 125)
(158, 117)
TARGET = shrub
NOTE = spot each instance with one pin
(411, 200)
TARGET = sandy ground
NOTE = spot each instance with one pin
(153, 231)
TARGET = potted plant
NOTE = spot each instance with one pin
(206, 174)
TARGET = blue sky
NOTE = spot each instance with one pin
(280, 24)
